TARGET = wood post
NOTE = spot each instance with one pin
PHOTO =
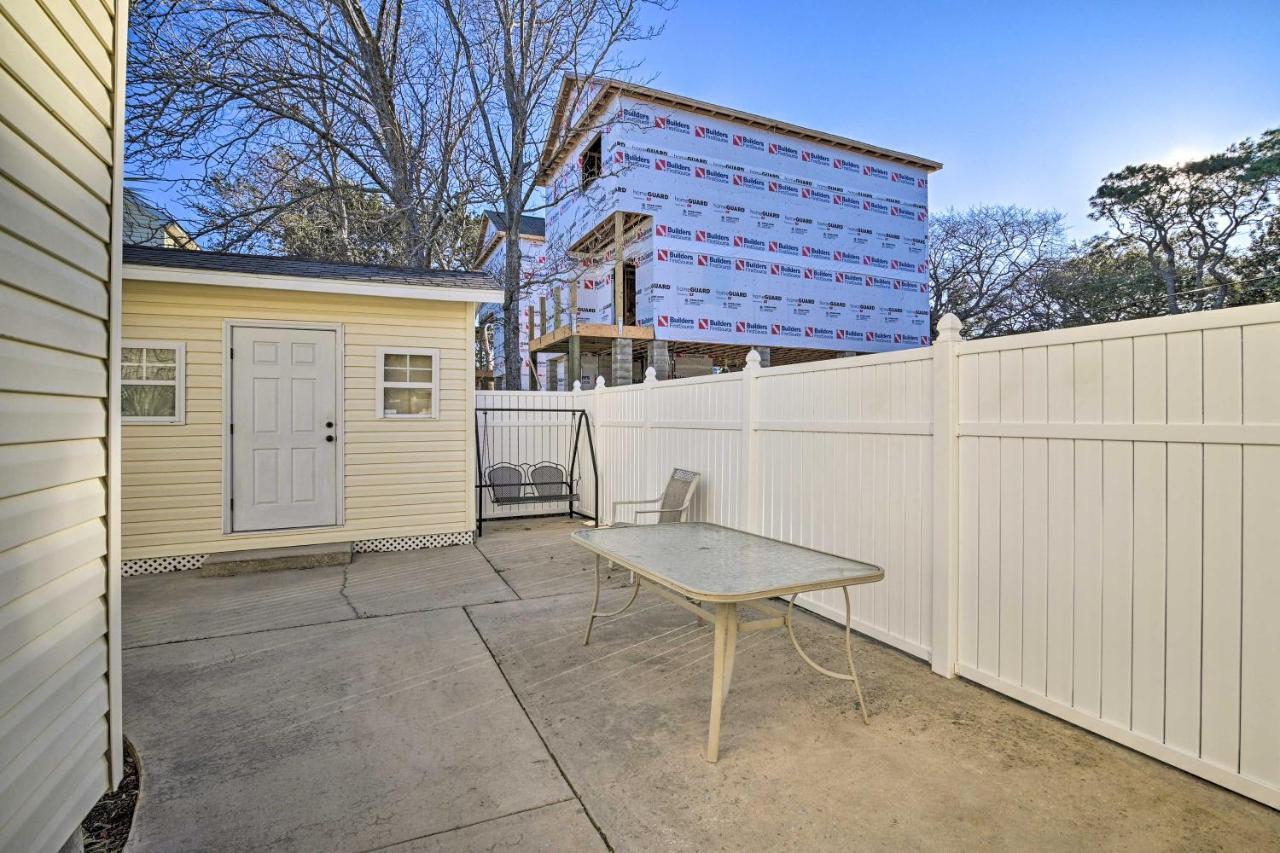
(573, 305)
(618, 298)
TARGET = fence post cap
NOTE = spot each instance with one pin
(753, 360)
(577, 385)
(599, 383)
(650, 375)
(949, 328)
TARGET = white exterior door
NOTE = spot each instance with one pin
(283, 430)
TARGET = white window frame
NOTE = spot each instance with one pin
(434, 384)
(179, 381)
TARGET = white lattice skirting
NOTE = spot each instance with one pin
(412, 543)
(158, 565)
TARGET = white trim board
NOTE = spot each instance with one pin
(119, 10)
(218, 278)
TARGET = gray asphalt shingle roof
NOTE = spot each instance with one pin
(530, 226)
(299, 268)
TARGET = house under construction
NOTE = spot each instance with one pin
(691, 233)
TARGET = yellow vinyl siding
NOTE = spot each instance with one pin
(59, 285)
(33, 72)
(401, 477)
(47, 133)
(57, 106)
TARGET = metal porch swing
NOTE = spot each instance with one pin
(530, 457)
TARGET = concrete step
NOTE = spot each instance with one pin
(276, 559)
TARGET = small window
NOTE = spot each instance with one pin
(153, 382)
(407, 383)
(592, 163)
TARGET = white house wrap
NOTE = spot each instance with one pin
(752, 236)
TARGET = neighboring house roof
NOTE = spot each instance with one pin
(284, 273)
(554, 155)
(146, 224)
(530, 226)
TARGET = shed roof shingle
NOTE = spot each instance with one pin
(299, 268)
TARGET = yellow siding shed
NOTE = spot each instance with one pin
(401, 479)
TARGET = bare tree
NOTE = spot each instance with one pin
(987, 266)
(516, 53)
(280, 104)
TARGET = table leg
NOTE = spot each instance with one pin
(848, 650)
(730, 647)
(722, 671)
(595, 600)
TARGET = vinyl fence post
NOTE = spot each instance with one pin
(585, 402)
(650, 445)
(602, 452)
(649, 474)
(946, 610)
(750, 512)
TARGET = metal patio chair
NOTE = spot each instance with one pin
(673, 503)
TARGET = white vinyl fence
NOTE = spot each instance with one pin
(1087, 520)
(832, 455)
(1119, 534)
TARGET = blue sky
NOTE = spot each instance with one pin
(1025, 103)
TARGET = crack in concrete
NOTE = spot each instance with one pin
(342, 591)
(466, 609)
(470, 825)
(497, 572)
(367, 617)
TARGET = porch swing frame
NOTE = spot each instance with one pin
(580, 421)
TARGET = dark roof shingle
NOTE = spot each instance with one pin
(530, 226)
(299, 268)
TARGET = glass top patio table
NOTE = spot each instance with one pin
(718, 564)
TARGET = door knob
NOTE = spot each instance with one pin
(328, 438)
(328, 424)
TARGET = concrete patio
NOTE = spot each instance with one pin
(442, 700)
